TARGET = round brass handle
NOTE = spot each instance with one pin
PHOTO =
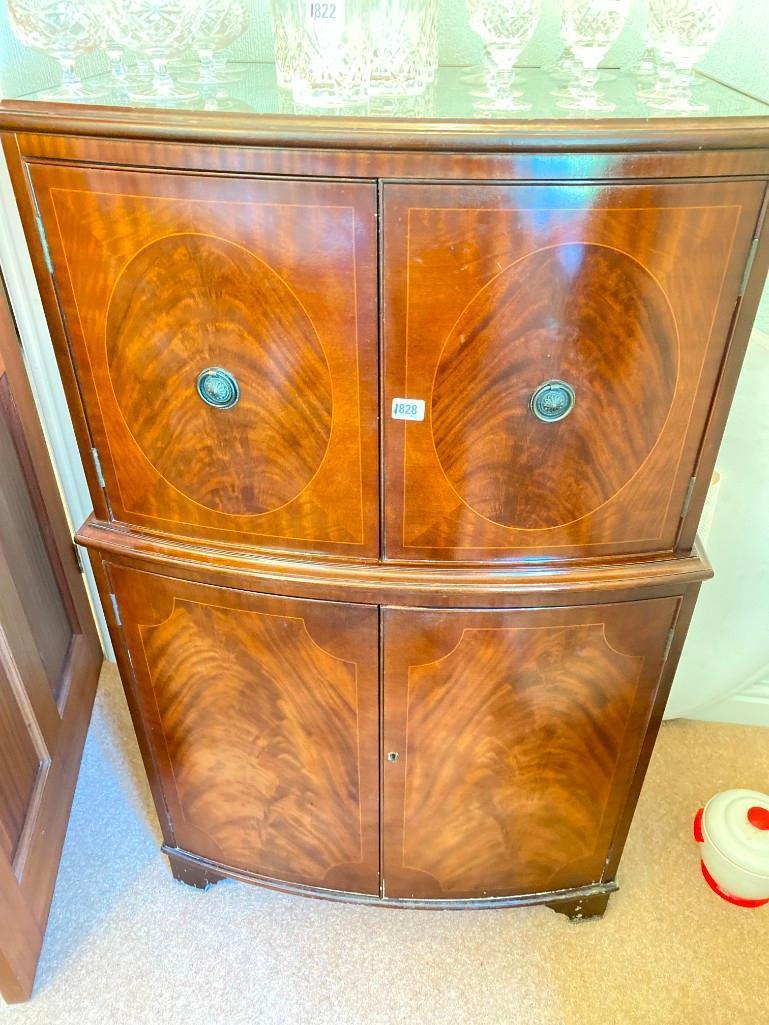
(552, 401)
(218, 388)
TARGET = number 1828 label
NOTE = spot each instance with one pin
(408, 409)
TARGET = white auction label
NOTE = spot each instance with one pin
(408, 409)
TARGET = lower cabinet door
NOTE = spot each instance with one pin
(511, 740)
(262, 714)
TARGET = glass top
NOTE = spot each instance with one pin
(453, 96)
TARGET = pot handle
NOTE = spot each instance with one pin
(699, 836)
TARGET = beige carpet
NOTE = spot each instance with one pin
(127, 945)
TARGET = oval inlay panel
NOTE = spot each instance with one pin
(188, 302)
(584, 314)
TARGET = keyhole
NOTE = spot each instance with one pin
(392, 756)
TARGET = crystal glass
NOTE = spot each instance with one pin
(473, 74)
(563, 67)
(285, 33)
(647, 65)
(159, 30)
(505, 27)
(652, 72)
(333, 53)
(219, 23)
(687, 30)
(430, 50)
(115, 52)
(421, 105)
(405, 46)
(589, 27)
(62, 29)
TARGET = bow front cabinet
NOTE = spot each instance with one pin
(397, 436)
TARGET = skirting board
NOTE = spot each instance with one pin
(748, 706)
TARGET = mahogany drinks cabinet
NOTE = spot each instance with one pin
(397, 434)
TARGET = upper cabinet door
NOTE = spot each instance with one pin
(224, 337)
(618, 300)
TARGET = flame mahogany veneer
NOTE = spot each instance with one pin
(418, 663)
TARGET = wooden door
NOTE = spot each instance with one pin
(224, 335)
(621, 293)
(516, 735)
(263, 723)
(49, 664)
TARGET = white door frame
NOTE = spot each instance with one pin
(47, 388)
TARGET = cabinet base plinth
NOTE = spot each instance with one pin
(577, 903)
(581, 908)
(193, 873)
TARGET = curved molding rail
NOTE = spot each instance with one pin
(398, 582)
(362, 133)
(202, 872)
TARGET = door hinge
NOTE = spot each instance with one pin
(78, 558)
(97, 464)
(44, 244)
(748, 266)
(115, 609)
(668, 644)
(688, 497)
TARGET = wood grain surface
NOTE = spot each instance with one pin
(537, 568)
(263, 713)
(490, 291)
(164, 276)
(20, 767)
(49, 664)
(524, 164)
(356, 134)
(184, 302)
(451, 585)
(34, 563)
(517, 735)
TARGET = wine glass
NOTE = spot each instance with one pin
(405, 46)
(285, 33)
(63, 29)
(219, 23)
(505, 27)
(430, 45)
(647, 64)
(472, 74)
(589, 27)
(688, 28)
(652, 71)
(159, 30)
(115, 52)
(562, 68)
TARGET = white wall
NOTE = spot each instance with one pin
(724, 669)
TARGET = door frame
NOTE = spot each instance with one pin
(45, 381)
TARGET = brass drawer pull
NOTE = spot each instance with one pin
(552, 401)
(218, 388)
